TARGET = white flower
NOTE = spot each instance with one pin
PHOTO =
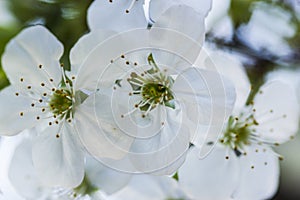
(99, 180)
(243, 165)
(41, 95)
(155, 93)
(261, 35)
(116, 15)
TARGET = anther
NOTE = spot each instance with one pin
(280, 158)
(40, 66)
(51, 80)
(32, 105)
(21, 114)
(57, 136)
(127, 62)
(122, 56)
(252, 167)
(38, 118)
(42, 84)
(227, 157)
(29, 87)
(40, 100)
(50, 123)
(17, 94)
(21, 79)
(45, 94)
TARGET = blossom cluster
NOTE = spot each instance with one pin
(146, 111)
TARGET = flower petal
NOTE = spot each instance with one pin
(112, 15)
(208, 99)
(106, 179)
(277, 112)
(259, 178)
(201, 178)
(22, 173)
(33, 55)
(98, 64)
(176, 25)
(85, 45)
(97, 130)
(16, 112)
(230, 67)
(158, 7)
(164, 152)
(61, 157)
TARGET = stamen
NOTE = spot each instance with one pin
(130, 6)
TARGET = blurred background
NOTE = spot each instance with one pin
(263, 34)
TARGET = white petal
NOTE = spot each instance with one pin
(162, 153)
(96, 68)
(277, 112)
(97, 130)
(219, 10)
(259, 33)
(158, 7)
(23, 55)
(146, 187)
(106, 179)
(176, 25)
(259, 176)
(85, 45)
(230, 67)
(213, 177)
(16, 112)
(59, 160)
(22, 173)
(208, 99)
(107, 15)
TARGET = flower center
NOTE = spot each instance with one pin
(61, 103)
(238, 132)
(153, 86)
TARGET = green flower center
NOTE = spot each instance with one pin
(154, 87)
(61, 103)
(238, 133)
